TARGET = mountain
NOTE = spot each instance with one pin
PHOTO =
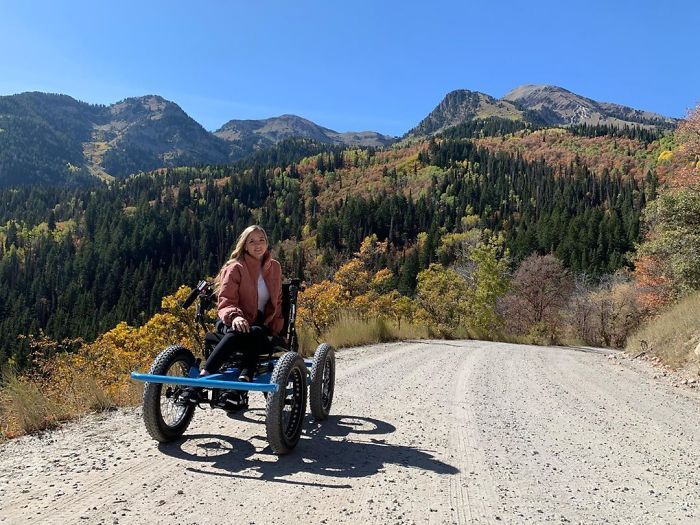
(55, 139)
(49, 138)
(245, 135)
(41, 138)
(463, 105)
(541, 105)
(557, 106)
(144, 133)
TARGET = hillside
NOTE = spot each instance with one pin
(144, 133)
(559, 148)
(57, 139)
(76, 262)
(41, 137)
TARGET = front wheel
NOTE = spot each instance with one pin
(322, 382)
(165, 420)
(287, 406)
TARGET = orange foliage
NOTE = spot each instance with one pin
(653, 286)
(685, 164)
(560, 148)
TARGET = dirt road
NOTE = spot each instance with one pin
(422, 432)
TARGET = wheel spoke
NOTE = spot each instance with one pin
(173, 414)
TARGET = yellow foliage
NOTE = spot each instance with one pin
(353, 278)
(442, 299)
(665, 155)
(371, 249)
(356, 291)
(470, 221)
(458, 246)
(382, 280)
(319, 305)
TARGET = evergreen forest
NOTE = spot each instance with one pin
(75, 261)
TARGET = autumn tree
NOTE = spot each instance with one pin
(441, 297)
(539, 291)
(490, 282)
(354, 290)
(686, 156)
(673, 220)
(604, 313)
(320, 306)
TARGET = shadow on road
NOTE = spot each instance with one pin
(335, 448)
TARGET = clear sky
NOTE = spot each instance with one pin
(349, 65)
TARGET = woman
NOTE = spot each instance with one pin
(250, 303)
(249, 287)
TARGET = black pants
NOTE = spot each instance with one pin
(251, 344)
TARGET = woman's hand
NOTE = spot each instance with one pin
(239, 324)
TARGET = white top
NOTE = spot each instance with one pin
(263, 293)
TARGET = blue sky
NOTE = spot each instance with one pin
(355, 65)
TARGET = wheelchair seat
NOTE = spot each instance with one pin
(279, 343)
(214, 338)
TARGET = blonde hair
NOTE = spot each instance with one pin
(239, 251)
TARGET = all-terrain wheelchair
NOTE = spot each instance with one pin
(283, 377)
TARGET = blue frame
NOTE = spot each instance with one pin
(228, 379)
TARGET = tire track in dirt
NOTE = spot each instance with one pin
(472, 496)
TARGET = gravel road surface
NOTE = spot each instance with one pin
(422, 432)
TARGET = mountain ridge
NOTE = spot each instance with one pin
(558, 106)
(267, 132)
(461, 105)
(536, 104)
(54, 138)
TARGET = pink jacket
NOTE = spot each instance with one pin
(238, 295)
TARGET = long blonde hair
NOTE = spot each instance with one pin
(239, 251)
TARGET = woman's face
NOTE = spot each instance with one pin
(256, 244)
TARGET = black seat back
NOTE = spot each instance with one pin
(286, 305)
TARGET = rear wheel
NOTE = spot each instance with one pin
(165, 420)
(287, 406)
(322, 382)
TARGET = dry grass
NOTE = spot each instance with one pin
(28, 405)
(93, 397)
(673, 336)
(24, 408)
(350, 331)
